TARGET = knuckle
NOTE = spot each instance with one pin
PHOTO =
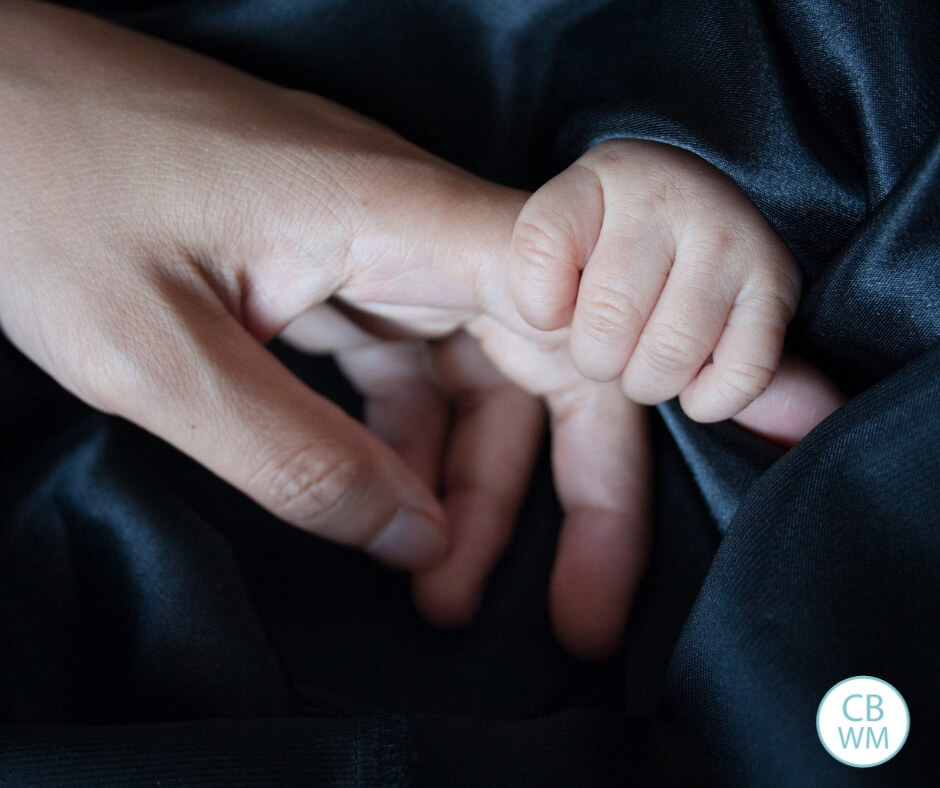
(766, 315)
(608, 314)
(744, 381)
(714, 259)
(777, 281)
(667, 352)
(308, 488)
(778, 309)
(710, 251)
(782, 291)
(661, 198)
(543, 245)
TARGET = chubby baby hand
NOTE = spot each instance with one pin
(669, 277)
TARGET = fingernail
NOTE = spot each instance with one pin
(411, 540)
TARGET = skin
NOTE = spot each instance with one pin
(165, 216)
(669, 277)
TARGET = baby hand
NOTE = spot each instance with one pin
(668, 275)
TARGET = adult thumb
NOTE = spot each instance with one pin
(218, 395)
(797, 399)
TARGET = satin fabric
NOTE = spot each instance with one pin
(157, 626)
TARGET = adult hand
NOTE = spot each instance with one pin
(483, 463)
(164, 215)
(600, 456)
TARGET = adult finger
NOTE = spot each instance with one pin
(323, 329)
(490, 454)
(798, 398)
(601, 459)
(401, 406)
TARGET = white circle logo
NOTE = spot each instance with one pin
(863, 721)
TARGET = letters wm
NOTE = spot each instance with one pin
(862, 721)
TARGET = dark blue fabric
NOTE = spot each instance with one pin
(136, 590)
